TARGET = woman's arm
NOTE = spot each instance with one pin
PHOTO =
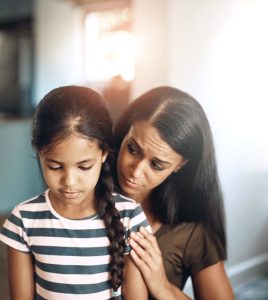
(148, 258)
(133, 285)
(212, 283)
(21, 275)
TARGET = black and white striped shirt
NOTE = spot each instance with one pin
(71, 256)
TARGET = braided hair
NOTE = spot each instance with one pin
(79, 110)
(115, 230)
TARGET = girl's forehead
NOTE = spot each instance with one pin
(71, 142)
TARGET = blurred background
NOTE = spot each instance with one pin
(215, 50)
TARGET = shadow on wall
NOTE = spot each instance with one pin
(20, 178)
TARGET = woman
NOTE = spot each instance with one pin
(167, 163)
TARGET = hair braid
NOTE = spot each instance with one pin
(115, 229)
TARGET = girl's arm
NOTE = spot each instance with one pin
(21, 275)
(210, 283)
(133, 285)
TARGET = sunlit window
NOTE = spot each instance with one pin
(109, 46)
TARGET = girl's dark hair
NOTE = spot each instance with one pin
(82, 111)
(193, 194)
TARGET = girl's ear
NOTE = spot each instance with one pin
(181, 164)
(104, 156)
(38, 154)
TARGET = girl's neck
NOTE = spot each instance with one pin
(73, 211)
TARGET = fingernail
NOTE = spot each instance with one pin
(142, 228)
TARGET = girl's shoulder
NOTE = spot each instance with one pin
(119, 199)
(127, 207)
(33, 204)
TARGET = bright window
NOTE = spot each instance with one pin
(109, 45)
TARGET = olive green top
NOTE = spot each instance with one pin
(187, 248)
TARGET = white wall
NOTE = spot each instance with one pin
(150, 27)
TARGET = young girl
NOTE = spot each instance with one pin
(69, 242)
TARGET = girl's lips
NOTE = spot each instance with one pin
(70, 195)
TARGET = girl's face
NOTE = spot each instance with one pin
(145, 160)
(71, 169)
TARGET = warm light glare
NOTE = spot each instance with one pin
(109, 53)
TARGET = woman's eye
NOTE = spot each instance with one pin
(156, 166)
(131, 149)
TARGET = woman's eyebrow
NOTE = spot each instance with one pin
(162, 161)
(136, 144)
(155, 158)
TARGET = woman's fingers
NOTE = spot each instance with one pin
(146, 248)
(147, 257)
(140, 251)
(150, 237)
(147, 241)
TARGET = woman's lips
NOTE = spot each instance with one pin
(129, 183)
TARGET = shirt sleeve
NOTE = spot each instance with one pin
(200, 251)
(13, 232)
(137, 219)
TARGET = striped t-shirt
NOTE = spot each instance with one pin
(71, 256)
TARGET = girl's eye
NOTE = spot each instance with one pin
(131, 149)
(55, 168)
(85, 168)
(156, 166)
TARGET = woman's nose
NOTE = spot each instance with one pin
(138, 169)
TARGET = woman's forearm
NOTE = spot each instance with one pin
(171, 292)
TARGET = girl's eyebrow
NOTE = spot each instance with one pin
(78, 163)
(89, 160)
(141, 150)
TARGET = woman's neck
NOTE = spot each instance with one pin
(147, 207)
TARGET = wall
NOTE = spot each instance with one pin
(58, 53)
(19, 173)
(150, 27)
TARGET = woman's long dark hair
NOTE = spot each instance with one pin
(80, 110)
(193, 194)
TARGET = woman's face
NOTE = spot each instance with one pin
(145, 160)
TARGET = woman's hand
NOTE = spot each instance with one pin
(148, 258)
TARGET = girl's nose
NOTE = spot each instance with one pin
(69, 179)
